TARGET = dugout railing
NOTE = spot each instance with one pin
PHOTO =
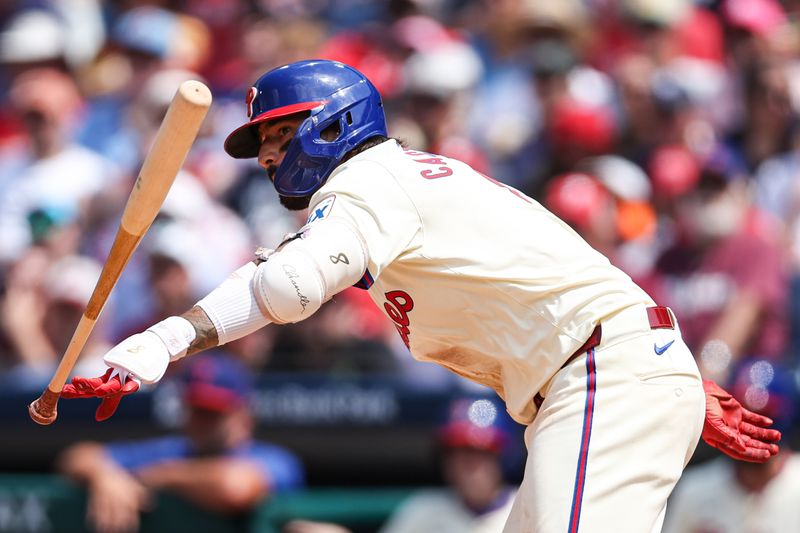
(50, 504)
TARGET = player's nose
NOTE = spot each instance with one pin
(268, 154)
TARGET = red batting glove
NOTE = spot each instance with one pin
(109, 387)
(736, 431)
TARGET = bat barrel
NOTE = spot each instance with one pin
(170, 147)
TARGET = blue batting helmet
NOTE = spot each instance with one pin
(331, 92)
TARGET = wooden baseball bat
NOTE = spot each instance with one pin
(172, 143)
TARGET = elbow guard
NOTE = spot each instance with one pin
(295, 281)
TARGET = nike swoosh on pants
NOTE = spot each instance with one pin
(661, 349)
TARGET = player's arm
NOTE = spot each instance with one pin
(284, 286)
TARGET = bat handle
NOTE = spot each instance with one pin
(43, 409)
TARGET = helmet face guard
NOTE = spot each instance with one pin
(333, 93)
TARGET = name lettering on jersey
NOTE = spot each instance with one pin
(429, 159)
(398, 306)
(444, 171)
(322, 209)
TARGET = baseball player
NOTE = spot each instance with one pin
(476, 277)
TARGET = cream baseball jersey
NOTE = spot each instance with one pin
(476, 276)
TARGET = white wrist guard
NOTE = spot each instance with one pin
(295, 281)
(232, 306)
(146, 355)
(177, 333)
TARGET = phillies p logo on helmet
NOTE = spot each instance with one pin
(251, 95)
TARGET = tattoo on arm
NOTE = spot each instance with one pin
(206, 332)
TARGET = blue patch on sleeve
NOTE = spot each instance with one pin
(321, 210)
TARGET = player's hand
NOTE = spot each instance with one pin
(141, 357)
(736, 431)
(111, 387)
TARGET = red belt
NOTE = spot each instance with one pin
(658, 316)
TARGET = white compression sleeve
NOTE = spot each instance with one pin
(232, 306)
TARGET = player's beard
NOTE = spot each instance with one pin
(292, 203)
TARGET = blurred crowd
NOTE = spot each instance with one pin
(665, 132)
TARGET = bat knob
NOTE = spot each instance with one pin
(43, 409)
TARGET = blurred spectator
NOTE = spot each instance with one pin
(646, 122)
(777, 190)
(194, 229)
(770, 117)
(179, 265)
(726, 496)
(44, 300)
(47, 171)
(85, 29)
(474, 445)
(142, 41)
(32, 38)
(440, 70)
(609, 206)
(258, 41)
(48, 33)
(504, 117)
(165, 279)
(752, 31)
(371, 50)
(346, 338)
(674, 171)
(203, 229)
(581, 200)
(778, 193)
(632, 190)
(214, 464)
(726, 273)
(574, 130)
(170, 268)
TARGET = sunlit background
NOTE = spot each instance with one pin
(664, 131)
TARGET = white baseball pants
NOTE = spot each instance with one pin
(613, 435)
